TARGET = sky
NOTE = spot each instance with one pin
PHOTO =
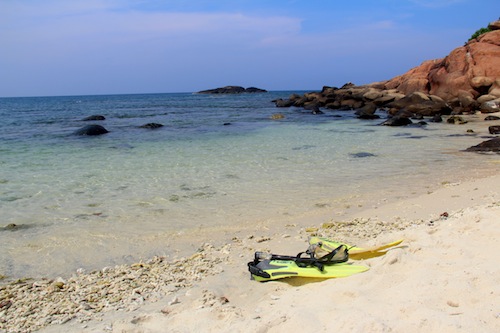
(93, 47)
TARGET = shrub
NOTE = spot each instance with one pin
(479, 33)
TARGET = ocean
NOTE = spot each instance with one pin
(218, 162)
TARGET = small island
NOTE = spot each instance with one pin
(232, 90)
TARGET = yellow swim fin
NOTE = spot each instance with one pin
(267, 270)
(333, 264)
(356, 253)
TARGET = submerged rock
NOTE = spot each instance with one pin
(91, 130)
(362, 154)
(15, 227)
(151, 125)
(277, 116)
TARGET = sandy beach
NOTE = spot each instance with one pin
(152, 152)
(443, 277)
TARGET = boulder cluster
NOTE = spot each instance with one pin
(465, 81)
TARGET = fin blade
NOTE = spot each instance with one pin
(356, 253)
(278, 269)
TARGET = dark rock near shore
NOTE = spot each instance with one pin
(283, 103)
(421, 104)
(397, 121)
(91, 130)
(488, 118)
(492, 145)
(314, 108)
(151, 125)
(494, 129)
(457, 120)
(436, 119)
(366, 116)
(232, 90)
(94, 118)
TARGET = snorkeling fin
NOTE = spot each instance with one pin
(356, 253)
(268, 270)
(266, 267)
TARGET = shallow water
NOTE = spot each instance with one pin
(218, 162)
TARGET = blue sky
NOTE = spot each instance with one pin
(79, 47)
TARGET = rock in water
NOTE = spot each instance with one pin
(91, 130)
(492, 145)
(151, 125)
(94, 118)
(494, 129)
(397, 121)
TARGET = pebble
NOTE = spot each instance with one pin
(175, 300)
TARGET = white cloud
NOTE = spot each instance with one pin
(48, 20)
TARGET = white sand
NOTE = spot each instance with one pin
(445, 277)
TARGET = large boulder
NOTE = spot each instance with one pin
(91, 130)
(490, 106)
(421, 104)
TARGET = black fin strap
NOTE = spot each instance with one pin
(327, 258)
(311, 261)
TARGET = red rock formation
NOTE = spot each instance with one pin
(467, 73)
(465, 81)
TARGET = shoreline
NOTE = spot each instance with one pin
(214, 282)
(82, 216)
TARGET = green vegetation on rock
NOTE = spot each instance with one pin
(479, 32)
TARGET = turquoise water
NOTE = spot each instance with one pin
(219, 161)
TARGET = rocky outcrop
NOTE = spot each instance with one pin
(467, 80)
(232, 90)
